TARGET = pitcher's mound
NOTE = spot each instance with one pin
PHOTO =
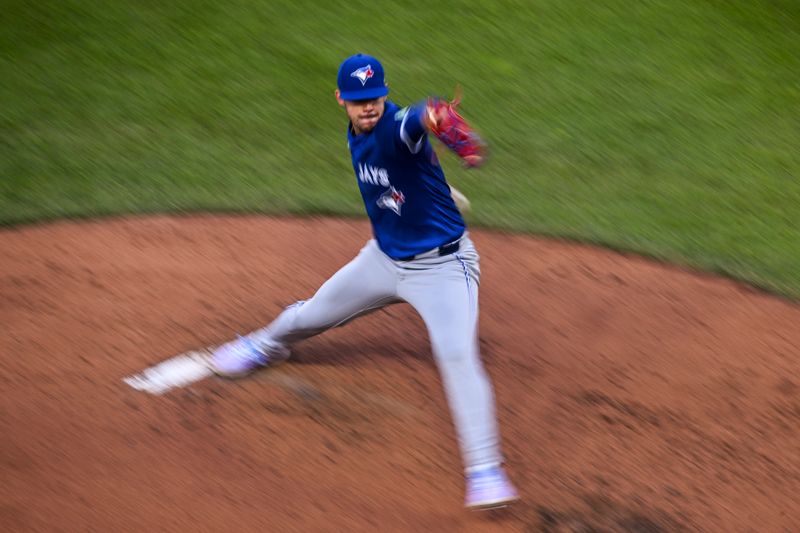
(631, 396)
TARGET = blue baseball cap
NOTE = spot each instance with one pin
(361, 78)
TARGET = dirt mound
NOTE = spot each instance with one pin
(632, 396)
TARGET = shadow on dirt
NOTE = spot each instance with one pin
(598, 515)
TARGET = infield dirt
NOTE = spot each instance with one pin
(632, 396)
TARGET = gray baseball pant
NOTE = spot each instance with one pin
(444, 291)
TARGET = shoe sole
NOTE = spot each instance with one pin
(233, 375)
(489, 505)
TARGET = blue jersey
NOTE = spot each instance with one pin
(403, 186)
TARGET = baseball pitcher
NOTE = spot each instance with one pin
(421, 254)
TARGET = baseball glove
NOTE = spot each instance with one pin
(444, 122)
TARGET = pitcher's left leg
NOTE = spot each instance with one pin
(446, 297)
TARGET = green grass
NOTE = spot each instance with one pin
(669, 129)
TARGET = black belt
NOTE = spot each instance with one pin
(445, 249)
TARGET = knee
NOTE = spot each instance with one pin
(457, 352)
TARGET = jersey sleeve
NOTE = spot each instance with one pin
(410, 131)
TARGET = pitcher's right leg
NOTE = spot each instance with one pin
(363, 285)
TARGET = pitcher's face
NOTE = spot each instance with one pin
(363, 114)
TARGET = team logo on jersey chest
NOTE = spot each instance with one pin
(392, 199)
(363, 74)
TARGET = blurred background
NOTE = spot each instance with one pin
(669, 129)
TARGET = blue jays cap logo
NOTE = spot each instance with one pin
(363, 74)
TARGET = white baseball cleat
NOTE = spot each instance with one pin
(241, 357)
(489, 488)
